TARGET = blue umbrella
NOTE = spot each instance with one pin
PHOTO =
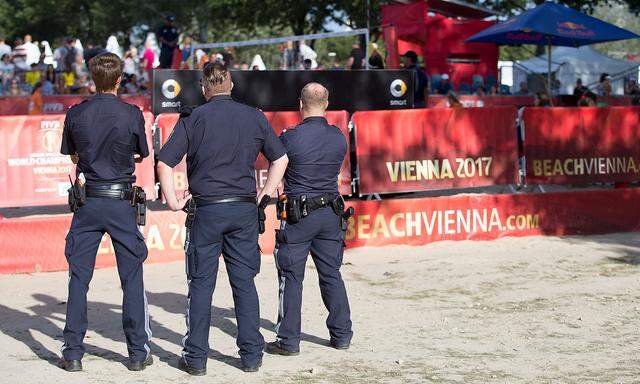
(552, 24)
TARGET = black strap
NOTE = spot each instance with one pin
(321, 201)
(204, 201)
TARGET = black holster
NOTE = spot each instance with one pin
(190, 209)
(139, 202)
(77, 196)
(262, 215)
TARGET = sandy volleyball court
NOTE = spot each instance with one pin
(516, 310)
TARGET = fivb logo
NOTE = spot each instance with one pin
(398, 88)
(51, 131)
(170, 90)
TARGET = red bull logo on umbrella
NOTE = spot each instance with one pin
(572, 29)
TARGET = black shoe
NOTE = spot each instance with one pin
(70, 365)
(251, 368)
(341, 346)
(275, 348)
(182, 364)
(140, 365)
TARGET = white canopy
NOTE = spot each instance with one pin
(586, 63)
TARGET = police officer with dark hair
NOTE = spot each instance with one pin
(313, 221)
(168, 37)
(105, 138)
(221, 140)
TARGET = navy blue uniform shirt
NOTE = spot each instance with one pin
(169, 33)
(222, 139)
(105, 133)
(316, 151)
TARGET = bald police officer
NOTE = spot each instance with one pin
(105, 137)
(314, 224)
(221, 140)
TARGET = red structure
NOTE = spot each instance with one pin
(437, 30)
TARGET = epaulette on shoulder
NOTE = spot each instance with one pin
(185, 111)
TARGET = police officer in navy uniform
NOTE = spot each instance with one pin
(168, 36)
(221, 140)
(313, 224)
(105, 138)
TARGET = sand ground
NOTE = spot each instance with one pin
(516, 310)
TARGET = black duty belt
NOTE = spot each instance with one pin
(201, 202)
(121, 191)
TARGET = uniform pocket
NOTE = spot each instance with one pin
(141, 249)
(68, 247)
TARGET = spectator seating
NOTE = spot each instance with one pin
(464, 89)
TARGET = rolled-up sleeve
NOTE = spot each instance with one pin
(272, 148)
(177, 146)
(142, 148)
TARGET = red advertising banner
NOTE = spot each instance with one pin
(376, 223)
(32, 170)
(438, 148)
(279, 121)
(481, 101)
(60, 104)
(582, 145)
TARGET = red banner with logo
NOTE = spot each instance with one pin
(32, 170)
(376, 223)
(279, 121)
(481, 101)
(582, 145)
(439, 148)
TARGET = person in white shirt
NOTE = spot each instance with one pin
(32, 50)
(308, 53)
(7, 71)
(4, 48)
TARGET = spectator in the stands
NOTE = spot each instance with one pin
(289, 56)
(306, 64)
(132, 87)
(604, 85)
(148, 57)
(130, 66)
(244, 66)
(33, 76)
(541, 99)
(186, 53)
(255, 68)
(588, 99)
(20, 56)
(5, 49)
(579, 90)
(14, 88)
(420, 79)
(35, 100)
(524, 89)
(444, 87)
(481, 91)
(375, 60)
(356, 58)
(7, 72)
(32, 50)
(631, 88)
(493, 91)
(49, 82)
(79, 67)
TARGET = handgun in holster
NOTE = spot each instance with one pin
(139, 202)
(77, 195)
(262, 215)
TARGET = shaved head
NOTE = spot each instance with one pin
(315, 96)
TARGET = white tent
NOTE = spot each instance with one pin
(570, 64)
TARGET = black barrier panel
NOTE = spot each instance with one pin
(280, 90)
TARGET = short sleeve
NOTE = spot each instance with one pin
(142, 148)
(272, 148)
(177, 146)
(68, 147)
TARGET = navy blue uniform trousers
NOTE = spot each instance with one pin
(89, 224)
(230, 229)
(321, 235)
